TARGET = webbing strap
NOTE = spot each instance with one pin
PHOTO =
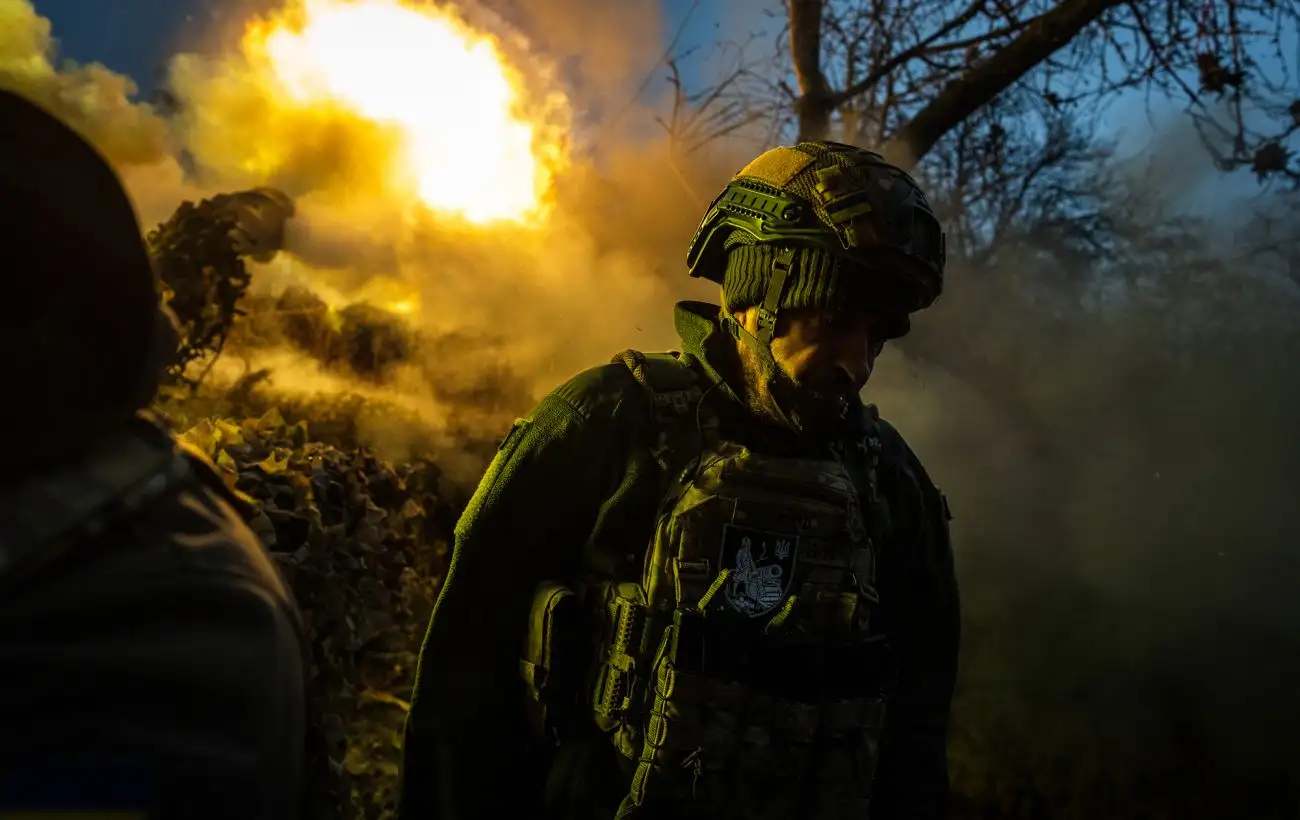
(672, 399)
(635, 361)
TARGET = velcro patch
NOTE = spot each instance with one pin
(776, 167)
(831, 183)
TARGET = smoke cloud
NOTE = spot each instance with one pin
(1122, 469)
(539, 301)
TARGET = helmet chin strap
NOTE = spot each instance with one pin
(784, 391)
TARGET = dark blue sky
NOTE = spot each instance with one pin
(133, 37)
(136, 37)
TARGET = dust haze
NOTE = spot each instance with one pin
(1122, 463)
(542, 301)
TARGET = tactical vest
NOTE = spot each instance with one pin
(743, 674)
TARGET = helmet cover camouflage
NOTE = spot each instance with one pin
(855, 224)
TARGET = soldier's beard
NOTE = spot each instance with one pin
(757, 396)
(823, 402)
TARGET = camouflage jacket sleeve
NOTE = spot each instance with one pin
(922, 613)
(468, 753)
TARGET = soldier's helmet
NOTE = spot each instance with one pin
(853, 229)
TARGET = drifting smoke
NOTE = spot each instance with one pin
(97, 102)
(1122, 471)
(1122, 475)
(91, 98)
(430, 154)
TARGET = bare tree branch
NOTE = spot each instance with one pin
(964, 95)
(907, 55)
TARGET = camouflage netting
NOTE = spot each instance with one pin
(363, 541)
(198, 257)
(363, 544)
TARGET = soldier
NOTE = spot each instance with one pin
(151, 657)
(712, 583)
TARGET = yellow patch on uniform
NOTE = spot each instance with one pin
(777, 166)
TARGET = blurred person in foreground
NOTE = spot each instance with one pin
(151, 653)
(712, 583)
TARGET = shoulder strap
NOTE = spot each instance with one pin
(634, 361)
(674, 397)
(41, 516)
(659, 373)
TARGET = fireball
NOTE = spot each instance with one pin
(465, 144)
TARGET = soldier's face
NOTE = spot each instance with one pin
(829, 355)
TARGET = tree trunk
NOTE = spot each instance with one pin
(816, 104)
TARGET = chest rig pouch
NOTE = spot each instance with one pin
(743, 675)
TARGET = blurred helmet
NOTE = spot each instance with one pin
(80, 320)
